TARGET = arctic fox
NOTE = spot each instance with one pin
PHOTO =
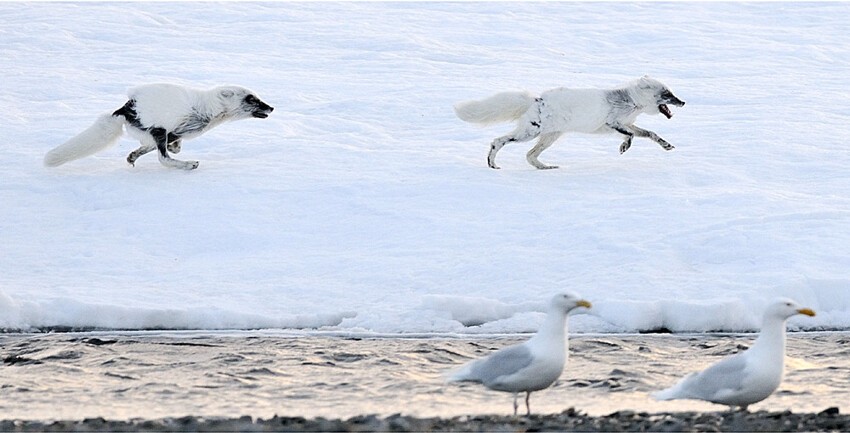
(161, 116)
(579, 110)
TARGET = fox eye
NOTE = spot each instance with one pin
(251, 99)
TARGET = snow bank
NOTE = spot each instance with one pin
(441, 314)
(66, 313)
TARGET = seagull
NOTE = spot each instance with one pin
(747, 377)
(532, 365)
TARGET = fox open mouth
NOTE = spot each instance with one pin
(665, 110)
(260, 114)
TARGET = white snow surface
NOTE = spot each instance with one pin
(362, 204)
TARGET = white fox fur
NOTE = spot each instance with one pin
(160, 116)
(562, 110)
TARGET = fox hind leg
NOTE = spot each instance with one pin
(543, 143)
(143, 149)
(519, 135)
(173, 147)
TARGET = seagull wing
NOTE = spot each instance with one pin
(499, 364)
(717, 380)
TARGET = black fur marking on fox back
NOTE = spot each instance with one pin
(197, 122)
(129, 113)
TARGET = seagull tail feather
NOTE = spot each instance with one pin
(459, 374)
(665, 394)
(674, 391)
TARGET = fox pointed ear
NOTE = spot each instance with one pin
(645, 82)
(226, 93)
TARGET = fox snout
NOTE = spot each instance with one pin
(261, 109)
(266, 107)
(667, 97)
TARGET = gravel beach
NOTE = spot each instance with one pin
(570, 420)
(256, 382)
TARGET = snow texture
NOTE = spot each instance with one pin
(362, 204)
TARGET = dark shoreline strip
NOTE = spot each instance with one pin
(569, 420)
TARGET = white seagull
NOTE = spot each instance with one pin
(530, 366)
(747, 377)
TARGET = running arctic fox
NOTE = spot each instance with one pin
(161, 116)
(563, 110)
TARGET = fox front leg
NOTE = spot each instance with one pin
(627, 142)
(174, 146)
(160, 135)
(631, 131)
(652, 136)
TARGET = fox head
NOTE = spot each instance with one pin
(655, 96)
(240, 103)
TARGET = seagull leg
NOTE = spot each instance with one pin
(527, 405)
(516, 405)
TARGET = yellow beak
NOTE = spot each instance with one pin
(586, 304)
(806, 311)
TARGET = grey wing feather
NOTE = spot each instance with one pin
(726, 374)
(502, 363)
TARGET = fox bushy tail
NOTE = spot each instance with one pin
(501, 107)
(101, 135)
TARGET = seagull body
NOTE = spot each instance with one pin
(530, 366)
(747, 377)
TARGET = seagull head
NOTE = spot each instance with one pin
(567, 302)
(784, 308)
